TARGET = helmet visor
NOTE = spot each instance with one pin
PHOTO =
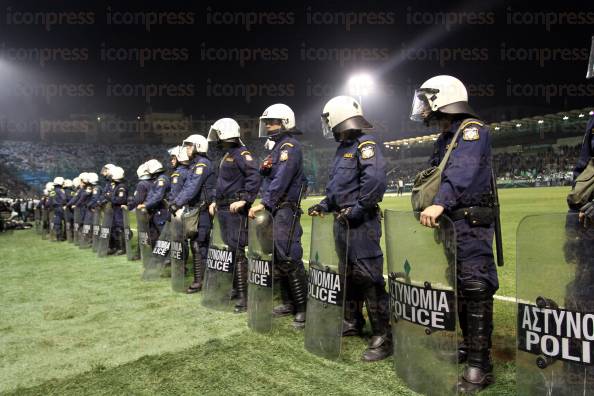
(326, 129)
(421, 109)
(263, 131)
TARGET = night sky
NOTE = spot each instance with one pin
(221, 59)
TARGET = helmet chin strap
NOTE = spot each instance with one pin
(349, 134)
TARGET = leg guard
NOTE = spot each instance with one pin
(199, 268)
(298, 287)
(241, 282)
(478, 296)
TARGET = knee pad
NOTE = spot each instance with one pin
(476, 290)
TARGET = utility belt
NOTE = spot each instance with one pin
(227, 201)
(367, 213)
(292, 205)
(200, 205)
(474, 215)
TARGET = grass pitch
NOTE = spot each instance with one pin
(71, 323)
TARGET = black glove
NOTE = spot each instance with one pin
(316, 208)
(588, 211)
(344, 214)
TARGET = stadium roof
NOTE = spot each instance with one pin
(541, 123)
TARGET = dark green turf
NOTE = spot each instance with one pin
(71, 323)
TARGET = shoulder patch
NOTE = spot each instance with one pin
(199, 169)
(473, 122)
(287, 144)
(121, 193)
(367, 150)
(160, 182)
(247, 155)
(348, 155)
(470, 133)
(364, 143)
(284, 155)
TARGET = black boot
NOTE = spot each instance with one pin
(354, 322)
(199, 268)
(298, 287)
(287, 307)
(380, 345)
(477, 374)
(120, 243)
(241, 283)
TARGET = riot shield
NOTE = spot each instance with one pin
(159, 254)
(53, 236)
(131, 254)
(222, 256)
(86, 233)
(44, 223)
(423, 302)
(260, 257)
(38, 228)
(326, 286)
(144, 241)
(76, 226)
(68, 224)
(105, 230)
(555, 306)
(96, 228)
(178, 255)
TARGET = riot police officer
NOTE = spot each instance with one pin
(465, 192)
(58, 200)
(237, 185)
(76, 201)
(119, 197)
(93, 191)
(281, 197)
(198, 192)
(356, 186)
(586, 155)
(179, 161)
(140, 193)
(155, 201)
(142, 187)
(69, 193)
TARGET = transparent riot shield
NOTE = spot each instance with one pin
(86, 233)
(76, 226)
(44, 223)
(105, 230)
(555, 306)
(217, 292)
(53, 236)
(159, 255)
(326, 286)
(178, 255)
(260, 257)
(96, 228)
(68, 224)
(38, 227)
(423, 302)
(131, 254)
(144, 243)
